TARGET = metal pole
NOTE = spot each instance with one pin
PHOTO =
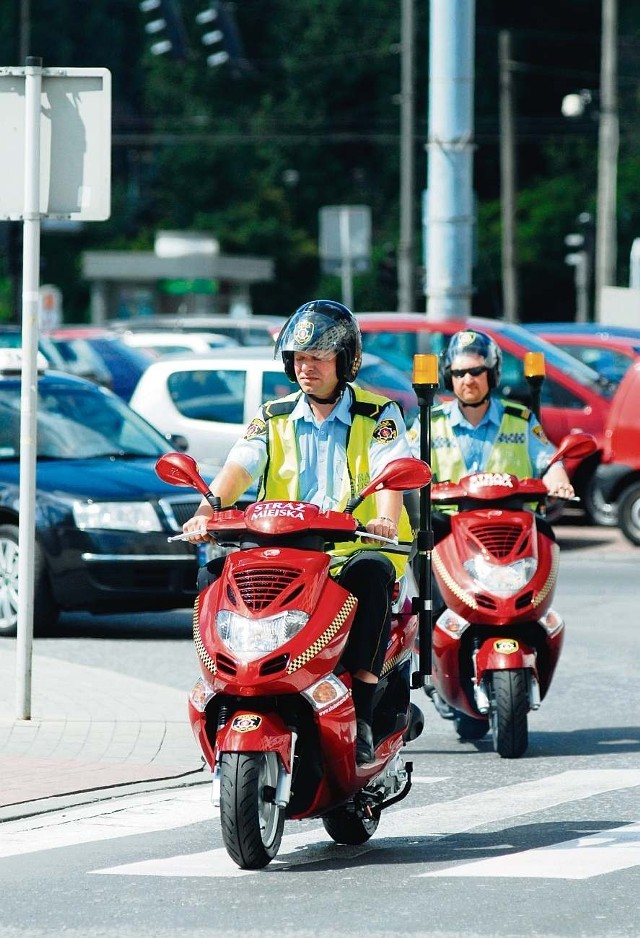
(406, 263)
(346, 270)
(508, 180)
(608, 134)
(25, 29)
(425, 384)
(450, 209)
(29, 392)
(582, 283)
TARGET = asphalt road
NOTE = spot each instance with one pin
(545, 845)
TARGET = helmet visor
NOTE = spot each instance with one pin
(313, 333)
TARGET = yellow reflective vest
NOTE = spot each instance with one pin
(509, 453)
(282, 482)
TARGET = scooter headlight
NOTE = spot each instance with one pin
(250, 638)
(501, 579)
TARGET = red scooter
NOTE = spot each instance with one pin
(272, 711)
(496, 645)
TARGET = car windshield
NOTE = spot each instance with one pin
(580, 372)
(384, 379)
(77, 423)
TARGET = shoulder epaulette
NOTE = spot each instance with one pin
(517, 410)
(367, 409)
(277, 408)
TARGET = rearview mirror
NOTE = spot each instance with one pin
(400, 475)
(576, 445)
(181, 469)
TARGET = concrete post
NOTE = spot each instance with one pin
(450, 211)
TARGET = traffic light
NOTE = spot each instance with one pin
(582, 244)
(166, 28)
(221, 36)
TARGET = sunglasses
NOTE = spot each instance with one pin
(475, 372)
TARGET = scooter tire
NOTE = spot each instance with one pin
(346, 827)
(252, 824)
(509, 709)
(468, 727)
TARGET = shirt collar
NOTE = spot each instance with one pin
(457, 418)
(342, 410)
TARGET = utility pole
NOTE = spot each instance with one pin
(508, 180)
(406, 261)
(608, 134)
(25, 29)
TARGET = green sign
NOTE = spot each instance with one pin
(180, 286)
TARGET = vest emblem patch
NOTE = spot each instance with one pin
(386, 431)
(257, 427)
(539, 432)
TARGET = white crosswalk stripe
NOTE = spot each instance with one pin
(605, 852)
(121, 817)
(433, 821)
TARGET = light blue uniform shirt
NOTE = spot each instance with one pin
(477, 442)
(322, 449)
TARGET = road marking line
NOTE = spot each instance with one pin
(437, 820)
(605, 852)
(105, 820)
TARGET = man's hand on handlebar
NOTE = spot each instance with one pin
(384, 527)
(195, 530)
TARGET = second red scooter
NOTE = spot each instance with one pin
(496, 645)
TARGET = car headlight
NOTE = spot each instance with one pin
(116, 516)
(502, 580)
(250, 638)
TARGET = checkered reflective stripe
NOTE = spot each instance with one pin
(324, 639)
(392, 662)
(203, 654)
(551, 579)
(463, 596)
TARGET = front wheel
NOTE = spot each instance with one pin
(252, 824)
(45, 610)
(629, 513)
(346, 827)
(597, 509)
(509, 709)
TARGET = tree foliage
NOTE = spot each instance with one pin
(252, 154)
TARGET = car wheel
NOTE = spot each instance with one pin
(597, 510)
(629, 513)
(45, 610)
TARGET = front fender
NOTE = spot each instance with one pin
(504, 654)
(247, 731)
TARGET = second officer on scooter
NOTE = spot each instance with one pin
(321, 444)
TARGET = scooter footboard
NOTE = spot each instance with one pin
(247, 731)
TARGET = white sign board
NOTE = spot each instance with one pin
(75, 143)
(345, 231)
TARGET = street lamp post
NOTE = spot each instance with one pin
(575, 105)
(608, 133)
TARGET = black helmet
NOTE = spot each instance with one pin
(470, 342)
(322, 325)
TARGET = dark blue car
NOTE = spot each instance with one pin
(102, 515)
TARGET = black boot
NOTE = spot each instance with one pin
(363, 705)
(365, 752)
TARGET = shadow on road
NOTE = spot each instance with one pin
(147, 626)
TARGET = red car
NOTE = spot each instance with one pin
(573, 396)
(618, 478)
(609, 350)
